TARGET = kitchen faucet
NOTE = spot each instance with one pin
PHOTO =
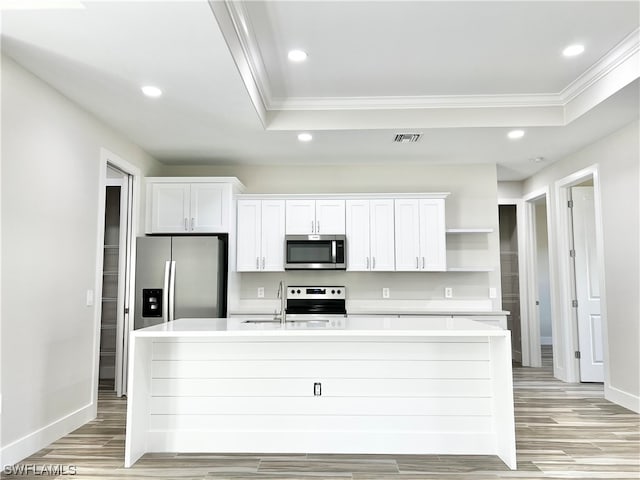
(283, 309)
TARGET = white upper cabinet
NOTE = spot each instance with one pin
(370, 235)
(169, 208)
(315, 217)
(420, 235)
(199, 206)
(260, 239)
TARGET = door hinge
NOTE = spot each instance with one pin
(574, 303)
(572, 253)
(577, 353)
(126, 311)
(570, 204)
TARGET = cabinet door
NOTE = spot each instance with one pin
(249, 235)
(358, 246)
(301, 217)
(433, 254)
(330, 217)
(382, 235)
(407, 231)
(209, 209)
(169, 207)
(273, 224)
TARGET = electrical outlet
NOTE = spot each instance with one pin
(385, 293)
(448, 292)
(260, 292)
(493, 292)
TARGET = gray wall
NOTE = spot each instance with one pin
(50, 174)
(618, 156)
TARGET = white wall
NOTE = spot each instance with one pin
(509, 190)
(542, 256)
(50, 161)
(618, 157)
(472, 203)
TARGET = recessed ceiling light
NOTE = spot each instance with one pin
(151, 91)
(538, 159)
(297, 55)
(305, 137)
(573, 50)
(515, 134)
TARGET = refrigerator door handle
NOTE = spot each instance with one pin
(165, 291)
(172, 291)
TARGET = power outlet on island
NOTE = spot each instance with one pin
(385, 292)
(260, 292)
(448, 292)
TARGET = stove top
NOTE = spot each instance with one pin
(316, 300)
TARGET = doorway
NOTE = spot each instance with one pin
(543, 280)
(510, 275)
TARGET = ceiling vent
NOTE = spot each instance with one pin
(407, 137)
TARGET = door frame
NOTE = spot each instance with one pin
(565, 274)
(532, 330)
(522, 273)
(108, 158)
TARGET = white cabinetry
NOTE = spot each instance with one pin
(370, 235)
(260, 244)
(306, 216)
(176, 205)
(420, 235)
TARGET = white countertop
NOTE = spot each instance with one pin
(375, 326)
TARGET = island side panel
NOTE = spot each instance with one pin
(502, 379)
(378, 395)
(138, 396)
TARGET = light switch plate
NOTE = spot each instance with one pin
(89, 300)
(385, 292)
(448, 292)
(260, 292)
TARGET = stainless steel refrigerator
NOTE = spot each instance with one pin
(180, 277)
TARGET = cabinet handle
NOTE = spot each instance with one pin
(313, 226)
(367, 263)
(318, 225)
(417, 263)
(257, 263)
(373, 263)
(263, 263)
(186, 224)
(193, 222)
(423, 263)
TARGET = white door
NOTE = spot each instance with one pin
(433, 249)
(358, 245)
(272, 239)
(382, 235)
(587, 286)
(249, 235)
(330, 217)
(169, 207)
(301, 217)
(208, 208)
(407, 230)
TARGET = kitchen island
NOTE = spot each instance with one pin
(378, 385)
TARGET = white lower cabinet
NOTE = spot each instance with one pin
(260, 235)
(420, 235)
(370, 235)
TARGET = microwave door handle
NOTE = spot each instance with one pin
(165, 292)
(333, 251)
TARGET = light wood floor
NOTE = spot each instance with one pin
(563, 431)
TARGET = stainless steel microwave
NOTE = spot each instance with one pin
(313, 252)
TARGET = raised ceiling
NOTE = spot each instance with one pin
(461, 73)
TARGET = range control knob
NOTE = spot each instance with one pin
(333, 292)
(298, 291)
(293, 291)
(338, 292)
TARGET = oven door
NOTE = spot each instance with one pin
(310, 252)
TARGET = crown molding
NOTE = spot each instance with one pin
(526, 109)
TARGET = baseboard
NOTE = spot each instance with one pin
(624, 399)
(546, 340)
(35, 441)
